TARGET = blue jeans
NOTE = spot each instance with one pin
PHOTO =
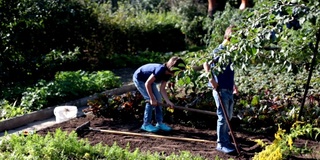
(222, 126)
(149, 109)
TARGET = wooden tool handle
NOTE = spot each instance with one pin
(196, 110)
(228, 123)
(188, 109)
(152, 135)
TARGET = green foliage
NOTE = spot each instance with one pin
(58, 145)
(137, 59)
(271, 58)
(271, 49)
(190, 81)
(193, 79)
(35, 98)
(130, 31)
(255, 100)
(269, 97)
(12, 92)
(64, 145)
(37, 36)
(56, 58)
(67, 86)
(81, 82)
(192, 17)
(283, 144)
(216, 28)
(31, 29)
(282, 32)
(10, 110)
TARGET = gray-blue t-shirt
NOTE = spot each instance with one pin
(144, 72)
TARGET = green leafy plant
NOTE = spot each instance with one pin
(67, 86)
(267, 95)
(283, 144)
(10, 110)
(64, 145)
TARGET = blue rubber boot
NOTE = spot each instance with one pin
(163, 127)
(225, 148)
(149, 128)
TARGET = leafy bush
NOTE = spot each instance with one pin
(67, 86)
(34, 34)
(283, 144)
(269, 95)
(129, 31)
(137, 59)
(277, 56)
(10, 110)
(31, 29)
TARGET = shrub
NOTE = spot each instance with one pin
(67, 86)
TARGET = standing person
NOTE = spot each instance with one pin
(225, 85)
(214, 5)
(146, 79)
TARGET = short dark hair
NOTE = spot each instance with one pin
(174, 63)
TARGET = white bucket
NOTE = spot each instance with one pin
(64, 113)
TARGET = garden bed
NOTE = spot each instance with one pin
(189, 127)
(168, 146)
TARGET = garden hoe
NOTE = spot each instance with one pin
(228, 123)
(86, 127)
(188, 109)
(210, 113)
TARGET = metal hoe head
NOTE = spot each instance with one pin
(83, 127)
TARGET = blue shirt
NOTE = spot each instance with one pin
(144, 72)
(225, 78)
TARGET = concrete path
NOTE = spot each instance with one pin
(37, 125)
(44, 118)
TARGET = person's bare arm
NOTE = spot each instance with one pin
(206, 67)
(165, 94)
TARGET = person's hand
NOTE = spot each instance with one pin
(153, 102)
(171, 105)
(235, 90)
(214, 84)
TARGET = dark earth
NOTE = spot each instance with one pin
(206, 149)
(197, 139)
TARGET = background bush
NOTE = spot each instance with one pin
(32, 32)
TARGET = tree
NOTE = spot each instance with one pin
(283, 33)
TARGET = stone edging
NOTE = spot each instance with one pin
(47, 113)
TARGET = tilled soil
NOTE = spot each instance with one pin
(182, 138)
